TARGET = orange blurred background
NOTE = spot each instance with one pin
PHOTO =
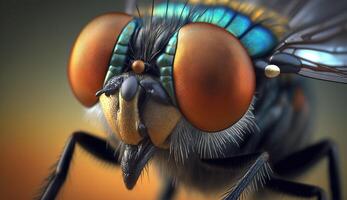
(38, 111)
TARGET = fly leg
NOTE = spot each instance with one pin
(301, 160)
(94, 145)
(296, 189)
(259, 170)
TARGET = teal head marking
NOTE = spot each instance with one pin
(119, 54)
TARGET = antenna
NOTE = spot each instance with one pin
(130, 6)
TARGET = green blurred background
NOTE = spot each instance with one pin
(38, 111)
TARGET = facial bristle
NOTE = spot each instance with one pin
(187, 139)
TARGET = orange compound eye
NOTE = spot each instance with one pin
(213, 75)
(91, 53)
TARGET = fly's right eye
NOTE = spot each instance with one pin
(91, 54)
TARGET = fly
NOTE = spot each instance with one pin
(210, 91)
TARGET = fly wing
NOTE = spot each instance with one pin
(303, 13)
(315, 11)
(319, 51)
(130, 6)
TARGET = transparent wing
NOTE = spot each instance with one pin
(319, 51)
(130, 6)
(301, 13)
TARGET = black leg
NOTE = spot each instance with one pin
(301, 160)
(296, 189)
(169, 190)
(96, 146)
(259, 170)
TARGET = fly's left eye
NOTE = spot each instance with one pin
(213, 77)
(90, 56)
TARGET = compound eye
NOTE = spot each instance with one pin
(214, 79)
(91, 53)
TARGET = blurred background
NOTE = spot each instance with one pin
(38, 112)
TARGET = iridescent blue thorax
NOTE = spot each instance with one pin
(256, 38)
